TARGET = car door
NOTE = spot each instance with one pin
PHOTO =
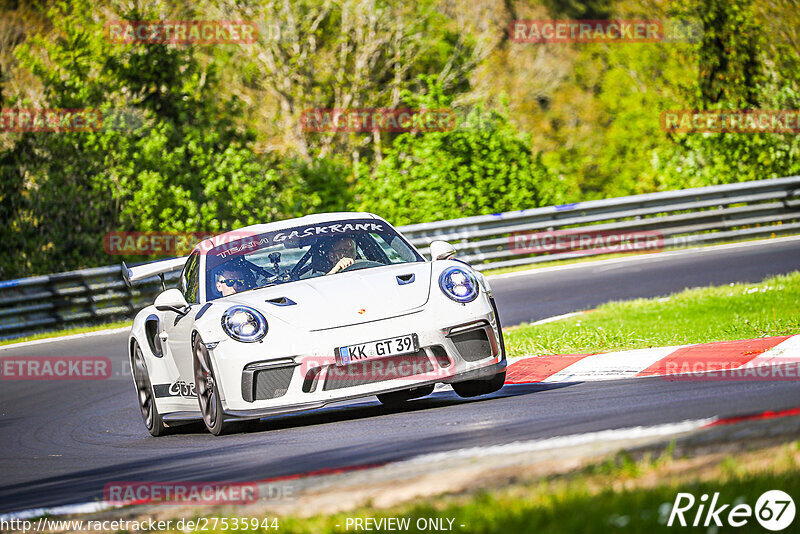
(178, 327)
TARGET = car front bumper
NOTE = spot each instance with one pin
(297, 371)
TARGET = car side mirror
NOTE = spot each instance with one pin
(172, 300)
(442, 250)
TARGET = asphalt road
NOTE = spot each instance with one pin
(61, 442)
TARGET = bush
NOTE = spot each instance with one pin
(481, 166)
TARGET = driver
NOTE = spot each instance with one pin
(232, 278)
(341, 253)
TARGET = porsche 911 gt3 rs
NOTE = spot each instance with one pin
(293, 315)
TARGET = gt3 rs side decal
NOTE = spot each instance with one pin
(176, 389)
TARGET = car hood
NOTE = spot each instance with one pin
(345, 299)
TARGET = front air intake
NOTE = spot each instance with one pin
(379, 370)
(266, 381)
(473, 345)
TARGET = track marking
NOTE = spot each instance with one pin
(724, 355)
(785, 352)
(540, 368)
(611, 365)
(660, 361)
(754, 417)
(560, 442)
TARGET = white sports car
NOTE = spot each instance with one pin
(297, 314)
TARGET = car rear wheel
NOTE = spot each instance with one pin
(399, 397)
(208, 391)
(144, 392)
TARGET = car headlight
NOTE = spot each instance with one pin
(244, 323)
(459, 284)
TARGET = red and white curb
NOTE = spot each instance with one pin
(661, 361)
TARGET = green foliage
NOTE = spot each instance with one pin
(481, 166)
(735, 71)
(181, 165)
(316, 186)
(211, 139)
(578, 9)
(729, 55)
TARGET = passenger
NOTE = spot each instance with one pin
(231, 279)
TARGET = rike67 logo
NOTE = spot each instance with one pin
(774, 510)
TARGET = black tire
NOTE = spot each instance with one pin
(499, 327)
(207, 390)
(399, 397)
(144, 393)
(475, 388)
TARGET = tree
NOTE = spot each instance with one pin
(482, 166)
(738, 68)
(184, 166)
(348, 54)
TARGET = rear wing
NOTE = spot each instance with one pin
(156, 268)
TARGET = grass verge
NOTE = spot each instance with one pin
(67, 332)
(617, 495)
(736, 311)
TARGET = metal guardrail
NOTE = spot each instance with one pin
(84, 297)
(682, 218)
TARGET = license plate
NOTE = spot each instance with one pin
(377, 349)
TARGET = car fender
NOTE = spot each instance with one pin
(160, 369)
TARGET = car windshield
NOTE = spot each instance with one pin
(303, 252)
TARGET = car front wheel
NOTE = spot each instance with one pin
(474, 388)
(208, 390)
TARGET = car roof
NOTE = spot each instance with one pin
(256, 229)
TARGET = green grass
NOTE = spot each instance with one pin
(66, 332)
(736, 311)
